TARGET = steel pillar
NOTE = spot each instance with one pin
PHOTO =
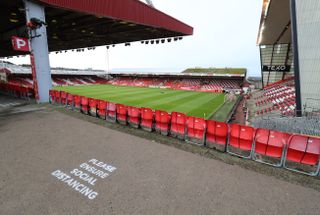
(39, 50)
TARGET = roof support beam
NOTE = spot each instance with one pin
(296, 57)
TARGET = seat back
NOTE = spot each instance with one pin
(178, 124)
(303, 149)
(241, 140)
(303, 154)
(63, 99)
(270, 143)
(57, 97)
(111, 112)
(134, 116)
(93, 106)
(196, 128)
(217, 135)
(84, 104)
(102, 109)
(70, 100)
(52, 96)
(77, 102)
(121, 113)
(147, 116)
(162, 122)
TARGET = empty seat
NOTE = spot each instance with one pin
(196, 128)
(162, 122)
(93, 107)
(84, 105)
(270, 144)
(52, 96)
(77, 102)
(302, 154)
(134, 115)
(217, 135)
(178, 125)
(57, 97)
(70, 100)
(63, 98)
(147, 119)
(101, 109)
(240, 140)
(122, 114)
(111, 114)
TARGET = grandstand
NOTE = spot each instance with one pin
(18, 79)
(202, 82)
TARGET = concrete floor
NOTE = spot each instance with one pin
(150, 178)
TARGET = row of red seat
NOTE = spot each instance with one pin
(17, 90)
(289, 150)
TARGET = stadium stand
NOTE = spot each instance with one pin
(299, 153)
(277, 97)
(193, 84)
(17, 80)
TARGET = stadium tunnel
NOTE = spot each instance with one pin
(69, 25)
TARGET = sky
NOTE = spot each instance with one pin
(225, 33)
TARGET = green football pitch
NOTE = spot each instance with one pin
(198, 104)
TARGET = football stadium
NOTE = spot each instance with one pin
(204, 140)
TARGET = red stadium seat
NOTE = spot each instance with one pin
(134, 116)
(270, 144)
(70, 100)
(102, 109)
(111, 115)
(84, 105)
(93, 107)
(147, 119)
(162, 122)
(196, 129)
(57, 97)
(63, 99)
(77, 102)
(52, 96)
(240, 140)
(121, 114)
(178, 125)
(217, 135)
(302, 154)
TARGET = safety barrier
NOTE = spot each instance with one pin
(298, 153)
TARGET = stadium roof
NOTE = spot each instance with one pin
(218, 71)
(275, 23)
(76, 24)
